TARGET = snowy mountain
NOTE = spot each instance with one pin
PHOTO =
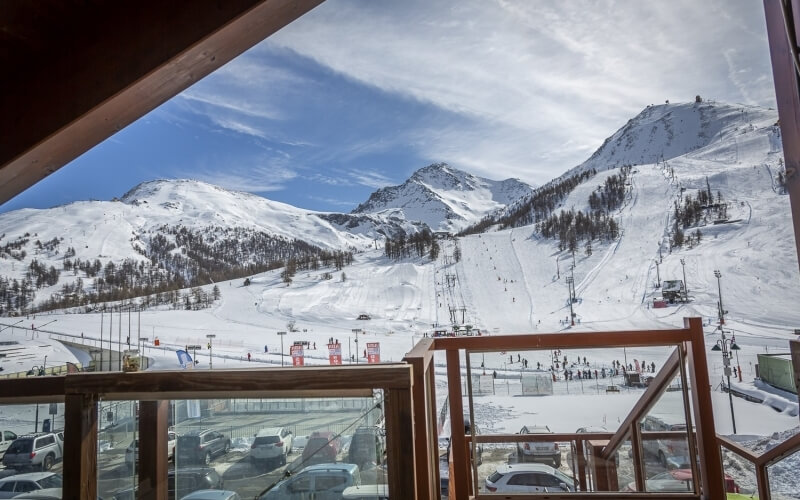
(667, 131)
(444, 198)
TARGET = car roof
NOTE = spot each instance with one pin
(209, 495)
(196, 432)
(366, 491)
(269, 431)
(30, 476)
(332, 466)
(507, 469)
(537, 429)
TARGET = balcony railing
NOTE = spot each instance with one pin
(412, 420)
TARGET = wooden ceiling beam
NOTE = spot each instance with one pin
(77, 71)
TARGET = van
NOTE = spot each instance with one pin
(317, 481)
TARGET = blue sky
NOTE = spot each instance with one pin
(358, 94)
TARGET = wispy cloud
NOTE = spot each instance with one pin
(371, 179)
(257, 177)
(333, 201)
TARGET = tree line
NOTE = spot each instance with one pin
(420, 244)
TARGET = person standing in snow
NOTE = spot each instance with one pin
(248, 356)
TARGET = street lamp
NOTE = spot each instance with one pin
(281, 334)
(726, 346)
(210, 336)
(719, 287)
(685, 286)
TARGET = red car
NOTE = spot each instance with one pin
(322, 447)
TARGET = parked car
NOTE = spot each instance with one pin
(322, 447)
(212, 495)
(43, 494)
(132, 452)
(366, 492)
(33, 451)
(529, 478)
(6, 438)
(673, 453)
(321, 482)
(539, 451)
(201, 446)
(181, 482)
(18, 484)
(271, 444)
(677, 480)
(367, 447)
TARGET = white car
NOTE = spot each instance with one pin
(12, 486)
(132, 452)
(271, 444)
(539, 451)
(529, 478)
(6, 438)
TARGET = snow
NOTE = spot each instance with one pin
(507, 281)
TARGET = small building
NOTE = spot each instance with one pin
(672, 290)
(777, 370)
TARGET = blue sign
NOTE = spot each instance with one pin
(183, 358)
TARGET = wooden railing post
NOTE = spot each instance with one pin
(711, 474)
(399, 431)
(153, 453)
(424, 409)
(459, 476)
(604, 471)
(80, 447)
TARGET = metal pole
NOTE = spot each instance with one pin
(101, 341)
(658, 276)
(110, 335)
(719, 288)
(730, 397)
(685, 286)
(281, 334)
(119, 341)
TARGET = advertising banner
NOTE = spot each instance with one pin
(297, 355)
(335, 354)
(373, 352)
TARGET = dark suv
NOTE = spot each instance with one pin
(201, 446)
(367, 447)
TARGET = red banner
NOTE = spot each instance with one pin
(297, 355)
(373, 352)
(335, 354)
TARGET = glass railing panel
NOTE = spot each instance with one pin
(666, 456)
(783, 478)
(117, 449)
(278, 448)
(625, 466)
(740, 475)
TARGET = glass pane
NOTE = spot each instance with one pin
(783, 478)
(625, 468)
(740, 474)
(117, 449)
(272, 448)
(18, 423)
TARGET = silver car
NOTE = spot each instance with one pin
(40, 451)
(13, 486)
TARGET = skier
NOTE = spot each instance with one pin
(248, 356)
(266, 349)
(653, 367)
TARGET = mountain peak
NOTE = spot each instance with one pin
(444, 197)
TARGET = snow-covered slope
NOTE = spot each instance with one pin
(444, 198)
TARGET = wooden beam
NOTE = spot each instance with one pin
(298, 382)
(153, 452)
(784, 76)
(32, 390)
(80, 447)
(711, 474)
(547, 341)
(77, 72)
(400, 456)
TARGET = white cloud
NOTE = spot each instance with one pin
(531, 76)
(371, 179)
(256, 177)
